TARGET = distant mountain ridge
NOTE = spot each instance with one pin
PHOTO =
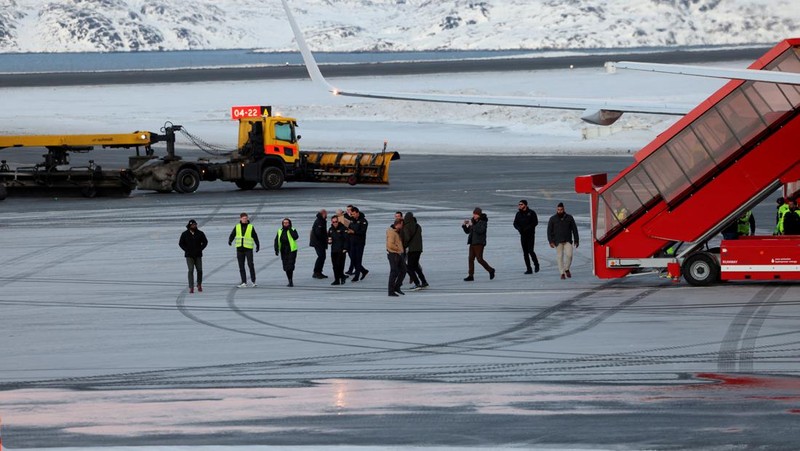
(390, 25)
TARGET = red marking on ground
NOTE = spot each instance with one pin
(727, 379)
(739, 381)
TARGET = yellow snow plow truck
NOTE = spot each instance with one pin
(267, 153)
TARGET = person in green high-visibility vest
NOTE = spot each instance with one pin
(746, 224)
(286, 247)
(783, 208)
(246, 239)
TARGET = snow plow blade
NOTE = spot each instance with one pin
(349, 167)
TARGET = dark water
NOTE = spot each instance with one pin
(78, 62)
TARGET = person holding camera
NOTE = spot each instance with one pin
(476, 228)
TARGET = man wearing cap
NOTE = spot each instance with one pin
(562, 234)
(525, 222)
(246, 239)
(193, 241)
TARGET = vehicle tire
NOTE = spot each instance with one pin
(700, 269)
(272, 178)
(89, 192)
(3, 191)
(245, 185)
(187, 181)
(352, 180)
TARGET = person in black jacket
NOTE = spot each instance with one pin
(286, 247)
(319, 241)
(337, 239)
(562, 234)
(791, 219)
(412, 240)
(358, 240)
(525, 222)
(193, 241)
(476, 228)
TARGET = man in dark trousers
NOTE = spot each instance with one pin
(246, 239)
(358, 241)
(525, 222)
(412, 240)
(562, 234)
(337, 238)
(319, 241)
(394, 252)
(193, 241)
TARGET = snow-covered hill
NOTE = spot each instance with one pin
(354, 25)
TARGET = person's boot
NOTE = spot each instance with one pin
(469, 278)
(200, 288)
(289, 276)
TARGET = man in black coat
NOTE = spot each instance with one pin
(358, 240)
(337, 238)
(193, 241)
(319, 241)
(791, 220)
(525, 222)
(562, 234)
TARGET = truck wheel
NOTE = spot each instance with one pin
(700, 269)
(187, 181)
(3, 192)
(352, 180)
(90, 192)
(272, 178)
(245, 184)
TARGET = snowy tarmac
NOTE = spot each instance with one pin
(102, 345)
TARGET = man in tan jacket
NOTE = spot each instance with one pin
(394, 252)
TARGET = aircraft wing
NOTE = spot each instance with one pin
(714, 72)
(596, 111)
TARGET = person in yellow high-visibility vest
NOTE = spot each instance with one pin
(746, 224)
(246, 239)
(286, 247)
(783, 208)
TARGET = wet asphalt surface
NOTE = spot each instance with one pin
(674, 367)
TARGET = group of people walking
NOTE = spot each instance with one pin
(346, 235)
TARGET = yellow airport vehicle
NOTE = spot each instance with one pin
(267, 153)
